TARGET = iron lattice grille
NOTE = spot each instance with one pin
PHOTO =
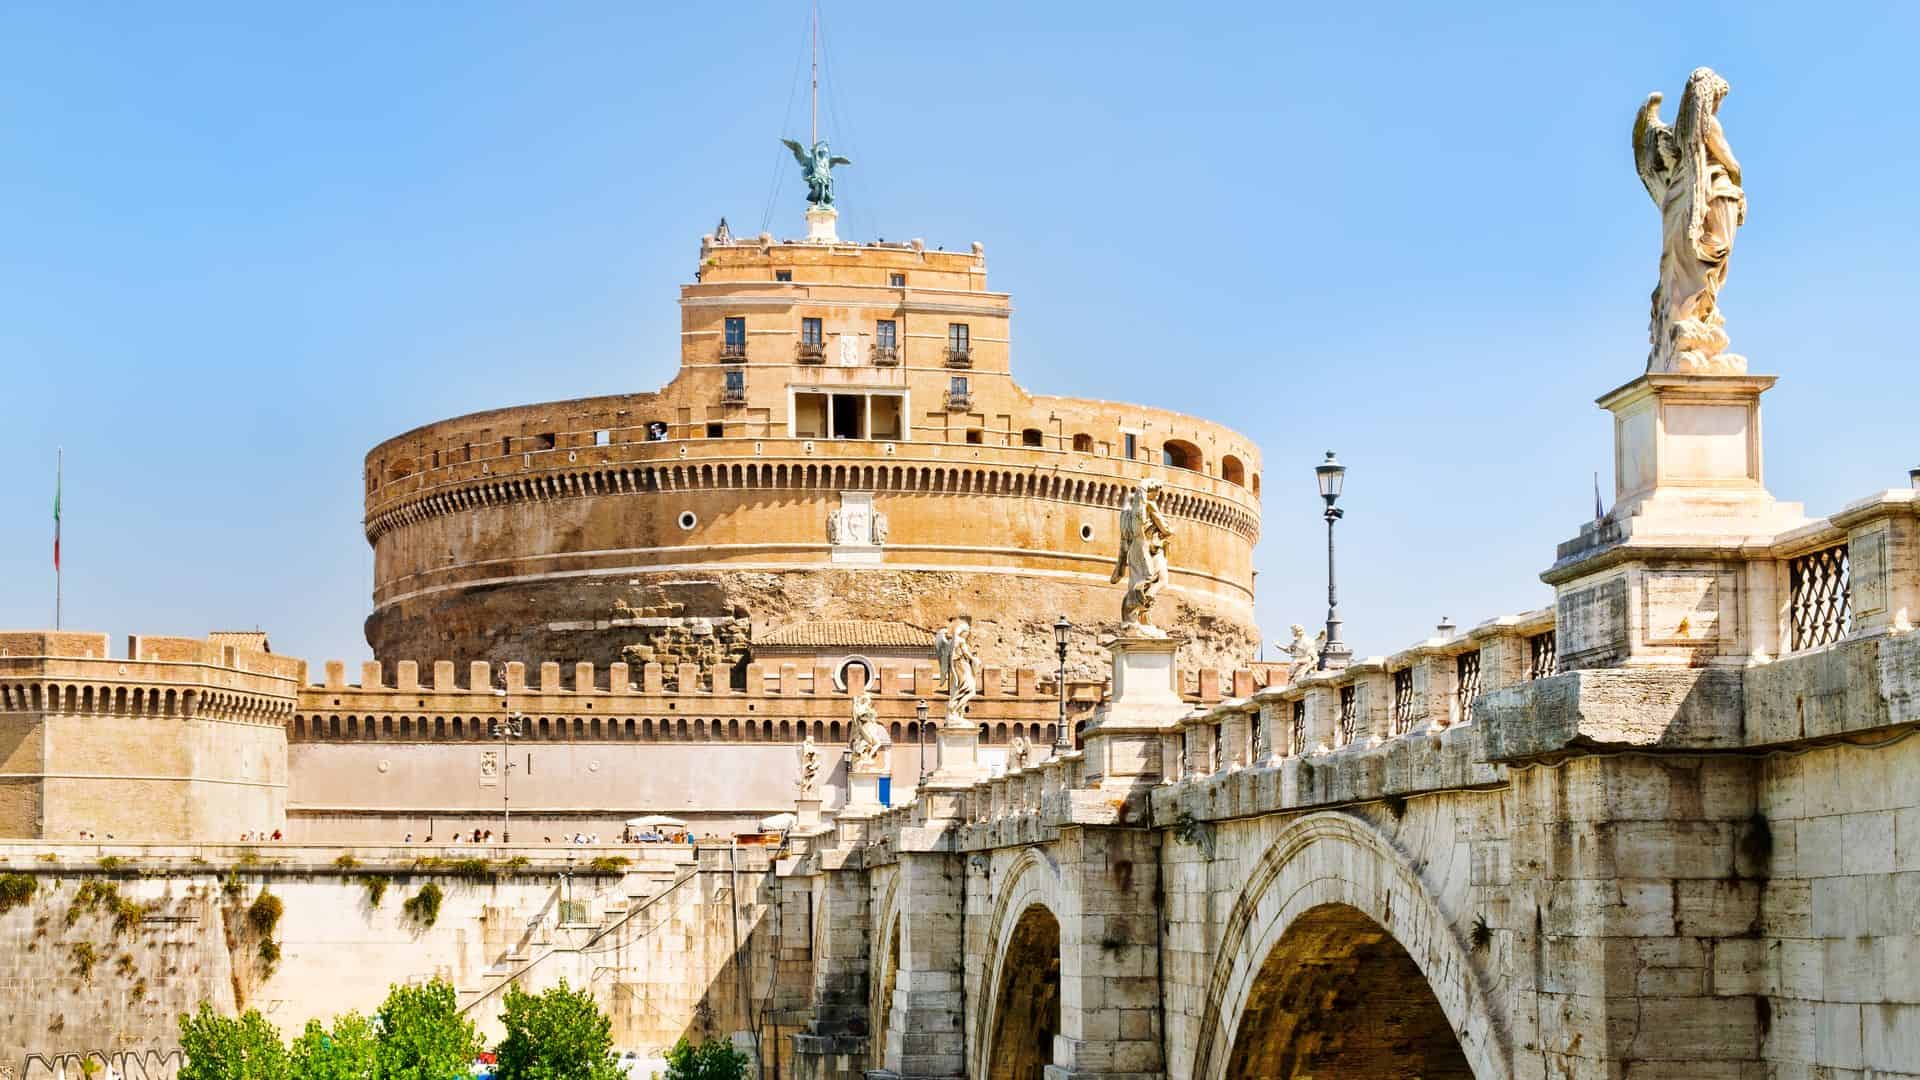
(1822, 597)
(1468, 668)
(1541, 655)
(1297, 735)
(1347, 713)
(1403, 701)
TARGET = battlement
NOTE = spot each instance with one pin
(66, 670)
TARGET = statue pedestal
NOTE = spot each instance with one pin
(1125, 742)
(806, 814)
(820, 225)
(863, 791)
(1667, 578)
(959, 762)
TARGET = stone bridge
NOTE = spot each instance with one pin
(1668, 828)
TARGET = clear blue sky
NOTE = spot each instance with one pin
(243, 244)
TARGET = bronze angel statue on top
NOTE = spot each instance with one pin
(1695, 181)
(816, 168)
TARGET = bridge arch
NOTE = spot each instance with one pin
(1330, 890)
(1019, 999)
(883, 958)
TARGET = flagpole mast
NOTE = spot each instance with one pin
(59, 470)
(816, 75)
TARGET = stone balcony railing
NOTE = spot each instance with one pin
(1452, 711)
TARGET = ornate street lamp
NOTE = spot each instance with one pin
(1332, 477)
(920, 714)
(1062, 742)
(513, 729)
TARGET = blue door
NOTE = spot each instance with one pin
(886, 791)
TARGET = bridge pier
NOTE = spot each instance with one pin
(1110, 1019)
(923, 1038)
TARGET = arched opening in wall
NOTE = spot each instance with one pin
(1026, 1011)
(1180, 454)
(1338, 996)
(1256, 483)
(881, 1008)
(1033, 436)
(1083, 443)
(1232, 471)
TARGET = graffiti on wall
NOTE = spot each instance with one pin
(152, 1064)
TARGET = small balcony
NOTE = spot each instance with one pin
(886, 355)
(959, 400)
(810, 352)
(733, 395)
(959, 356)
(733, 352)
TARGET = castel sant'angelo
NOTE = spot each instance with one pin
(637, 583)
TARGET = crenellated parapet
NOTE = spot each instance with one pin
(179, 739)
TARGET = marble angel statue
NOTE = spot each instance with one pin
(809, 768)
(959, 666)
(1694, 179)
(1303, 655)
(1142, 559)
(870, 738)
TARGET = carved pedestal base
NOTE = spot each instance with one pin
(1124, 742)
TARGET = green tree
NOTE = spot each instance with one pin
(226, 1048)
(423, 1036)
(717, 1060)
(557, 1035)
(350, 1051)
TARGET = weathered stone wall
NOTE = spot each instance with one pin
(109, 976)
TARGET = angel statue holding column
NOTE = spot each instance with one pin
(816, 168)
(959, 666)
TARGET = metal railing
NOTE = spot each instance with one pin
(959, 400)
(959, 356)
(810, 352)
(733, 350)
(733, 395)
(1349, 711)
(1403, 701)
(1821, 605)
(886, 355)
(1542, 655)
(1467, 667)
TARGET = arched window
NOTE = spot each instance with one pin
(1033, 436)
(1232, 471)
(1083, 443)
(1180, 454)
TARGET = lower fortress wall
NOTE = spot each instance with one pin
(656, 943)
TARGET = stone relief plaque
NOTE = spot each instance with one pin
(1867, 572)
(1681, 607)
(489, 768)
(1592, 623)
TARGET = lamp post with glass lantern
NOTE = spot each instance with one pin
(920, 715)
(1332, 477)
(1061, 742)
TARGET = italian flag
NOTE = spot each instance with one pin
(56, 522)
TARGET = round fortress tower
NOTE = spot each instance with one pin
(844, 441)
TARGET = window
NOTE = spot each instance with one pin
(544, 441)
(957, 386)
(1349, 714)
(1232, 471)
(898, 281)
(783, 275)
(1820, 592)
(1403, 701)
(735, 342)
(1540, 655)
(1132, 442)
(506, 445)
(736, 390)
(810, 331)
(1179, 454)
(886, 333)
(716, 431)
(602, 438)
(1033, 437)
(975, 436)
(959, 337)
(1083, 443)
(656, 430)
(1297, 733)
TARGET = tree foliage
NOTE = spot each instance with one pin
(226, 1048)
(715, 1060)
(349, 1051)
(556, 1035)
(423, 1036)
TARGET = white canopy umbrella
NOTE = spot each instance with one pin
(777, 823)
(656, 821)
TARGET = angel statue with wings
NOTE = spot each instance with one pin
(959, 666)
(816, 168)
(1142, 560)
(1695, 181)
